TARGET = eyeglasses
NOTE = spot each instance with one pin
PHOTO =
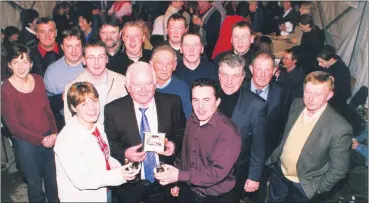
(93, 58)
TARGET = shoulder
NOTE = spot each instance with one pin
(278, 87)
(221, 55)
(120, 103)
(337, 119)
(252, 97)
(167, 98)
(227, 125)
(6, 88)
(37, 78)
(54, 68)
(116, 76)
(179, 83)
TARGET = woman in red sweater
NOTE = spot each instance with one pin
(27, 113)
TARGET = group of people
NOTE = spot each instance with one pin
(235, 125)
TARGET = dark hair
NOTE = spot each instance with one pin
(262, 39)
(191, 33)
(10, 31)
(306, 19)
(243, 24)
(44, 20)
(327, 53)
(74, 32)
(243, 9)
(16, 51)
(112, 21)
(86, 16)
(92, 43)
(294, 53)
(206, 82)
(177, 17)
(28, 16)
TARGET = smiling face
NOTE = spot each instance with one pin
(46, 33)
(241, 39)
(204, 102)
(88, 111)
(20, 66)
(83, 24)
(133, 39)
(72, 48)
(95, 60)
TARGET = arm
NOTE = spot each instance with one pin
(79, 170)
(8, 113)
(339, 159)
(179, 122)
(257, 154)
(50, 114)
(117, 147)
(221, 162)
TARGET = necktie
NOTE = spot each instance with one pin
(258, 92)
(149, 162)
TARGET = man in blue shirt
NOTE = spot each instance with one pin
(164, 62)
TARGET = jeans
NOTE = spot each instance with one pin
(37, 164)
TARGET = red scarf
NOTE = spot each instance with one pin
(103, 146)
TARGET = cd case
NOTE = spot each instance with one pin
(154, 142)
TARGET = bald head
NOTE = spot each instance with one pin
(141, 83)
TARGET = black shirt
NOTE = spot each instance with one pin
(123, 61)
(293, 80)
(114, 61)
(228, 103)
(204, 70)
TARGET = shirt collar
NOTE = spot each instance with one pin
(315, 116)
(150, 106)
(212, 122)
(253, 87)
(43, 51)
(31, 31)
(165, 84)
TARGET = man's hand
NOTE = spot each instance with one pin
(170, 175)
(49, 141)
(169, 148)
(96, 12)
(133, 155)
(174, 191)
(251, 186)
(197, 21)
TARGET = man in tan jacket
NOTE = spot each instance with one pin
(109, 84)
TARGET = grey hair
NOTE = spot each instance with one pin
(233, 61)
(139, 67)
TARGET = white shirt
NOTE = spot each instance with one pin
(263, 94)
(102, 89)
(286, 12)
(152, 118)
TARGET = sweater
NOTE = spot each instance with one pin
(204, 70)
(180, 88)
(27, 115)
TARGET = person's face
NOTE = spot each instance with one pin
(230, 78)
(191, 48)
(20, 66)
(323, 63)
(109, 35)
(88, 111)
(316, 95)
(304, 28)
(304, 10)
(241, 40)
(66, 10)
(142, 86)
(178, 4)
(164, 64)
(253, 6)
(95, 60)
(204, 103)
(61, 11)
(262, 71)
(83, 25)
(72, 48)
(202, 4)
(176, 28)
(133, 39)
(286, 5)
(46, 33)
(287, 60)
(14, 37)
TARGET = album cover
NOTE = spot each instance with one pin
(154, 142)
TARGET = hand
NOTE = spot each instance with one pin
(49, 141)
(170, 175)
(197, 21)
(174, 191)
(251, 186)
(355, 144)
(96, 12)
(293, 41)
(169, 148)
(282, 27)
(133, 155)
(127, 174)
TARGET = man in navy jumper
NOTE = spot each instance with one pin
(193, 66)
(164, 62)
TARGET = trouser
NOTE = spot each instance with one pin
(281, 189)
(37, 164)
(141, 191)
(186, 195)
